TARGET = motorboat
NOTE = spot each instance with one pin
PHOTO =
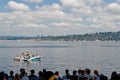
(28, 57)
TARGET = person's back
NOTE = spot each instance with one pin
(87, 72)
(11, 77)
(3, 76)
(32, 76)
(96, 75)
(115, 76)
(66, 76)
(24, 76)
(82, 77)
(74, 76)
(105, 78)
(16, 77)
(40, 75)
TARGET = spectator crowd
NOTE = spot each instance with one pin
(85, 74)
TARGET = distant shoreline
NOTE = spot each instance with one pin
(54, 41)
(101, 36)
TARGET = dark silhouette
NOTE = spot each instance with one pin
(32, 76)
(11, 76)
(67, 75)
(74, 76)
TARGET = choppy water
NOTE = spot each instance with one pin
(103, 56)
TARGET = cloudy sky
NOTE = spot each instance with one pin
(58, 17)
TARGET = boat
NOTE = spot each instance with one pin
(28, 57)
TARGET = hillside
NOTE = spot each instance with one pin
(102, 36)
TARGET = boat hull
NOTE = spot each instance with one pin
(32, 59)
(36, 58)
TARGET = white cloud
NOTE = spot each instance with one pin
(32, 25)
(86, 10)
(54, 6)
(72, 17)
(79, 3)
(17, 6)
(61, 24)
(34, 1)
(78, 19)
(72, 3)
(113, 8)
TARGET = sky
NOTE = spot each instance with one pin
(58, 17)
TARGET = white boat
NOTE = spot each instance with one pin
(33, 58)
(28, 57)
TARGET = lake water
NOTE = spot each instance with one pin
(58, 56)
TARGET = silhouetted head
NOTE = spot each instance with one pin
(32, 71)
(82, 72)
(44, 70)
(56, 73)
(66, 71)
(113, 73)
(11, 73)
(22, 70)
(79, 71)
(87, 71)
(74, 72)
(40, 73)
(96, 72)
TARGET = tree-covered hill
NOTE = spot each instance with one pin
(102, 36)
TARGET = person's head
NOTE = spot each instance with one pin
(79, 71)
(87, 71)
(16, 76)
(96, 72)
(22, 70)
(40, 73)
(113, 73)
(57, 73)
(11, 73)
(44, 70)
(82, 72)
(32, 71)
(66, 71)
(74, 72)
(2, 75)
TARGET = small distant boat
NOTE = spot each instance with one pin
(28, 57)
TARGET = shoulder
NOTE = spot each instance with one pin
(34, 77)
(25, 78)
(63, 76)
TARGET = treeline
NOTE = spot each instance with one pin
(102, 36)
